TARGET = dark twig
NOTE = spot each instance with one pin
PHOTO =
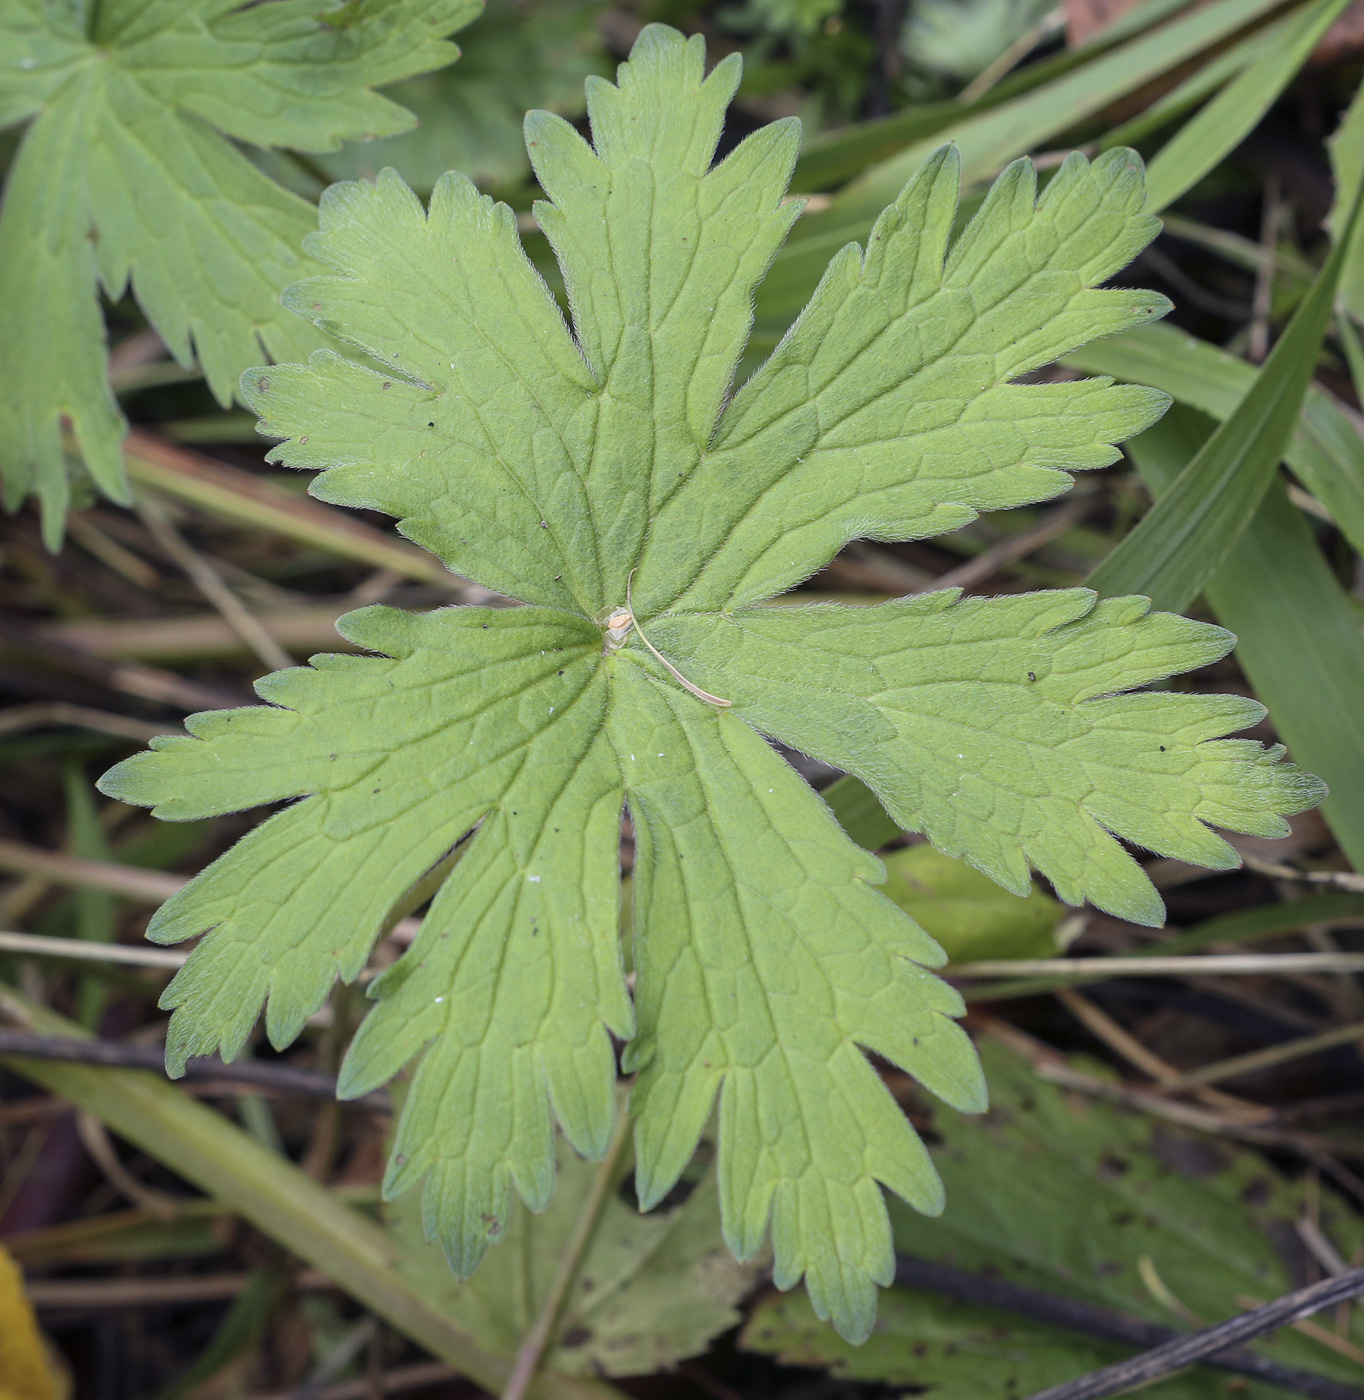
(1106, 1324)
(277, 1079)
(1211, 1344)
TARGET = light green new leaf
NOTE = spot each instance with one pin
(967, 914)
(600, 475)
(127, 179)
(992, 725)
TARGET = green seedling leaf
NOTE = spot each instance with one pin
(1073, 1196)
(968, 915)
(127, 177)
(649, 1291)
(1196, 522)
(603, 476)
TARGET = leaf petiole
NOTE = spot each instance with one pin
(621, 625)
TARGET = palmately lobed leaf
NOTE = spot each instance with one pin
(591, 466)
(127, 179)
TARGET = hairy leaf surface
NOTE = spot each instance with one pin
(126, 179)
(591, 465)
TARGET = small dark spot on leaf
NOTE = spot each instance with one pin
(1032, 675)
(1162, 748)
(303, 439)
(401, 1159)
(430, 425)
(331, 756)
(1111, 1166)
(544, 524)
(576, 1336)
(388, 384)
(263, 384)
(561, 673)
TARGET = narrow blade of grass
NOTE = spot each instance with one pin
(1207, 79)
(1196, 521)
(1298, 638)
(989, 140)
(1326, 450)
(1231, 116)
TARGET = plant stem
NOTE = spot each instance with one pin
(538, 1338)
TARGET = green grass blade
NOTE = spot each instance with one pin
(1298, 636)
(1207, 79)
(831, 156)
(1326, 451)
(273, 1194)
(990, 139)
(846, 151)
(1222, 125)
(1195, 523)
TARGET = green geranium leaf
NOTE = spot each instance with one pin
(592, 470)
(128, 177)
